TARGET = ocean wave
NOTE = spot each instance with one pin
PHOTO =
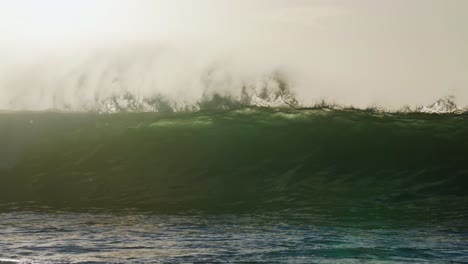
(250, 158)
(278, 99)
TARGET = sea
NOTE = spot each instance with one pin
(247, 185)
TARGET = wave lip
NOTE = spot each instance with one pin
(442, 106)
(280, 99)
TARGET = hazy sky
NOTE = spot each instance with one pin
(360, 52)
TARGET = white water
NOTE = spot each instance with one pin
(368, 53)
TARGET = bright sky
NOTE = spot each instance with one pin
(396, 51)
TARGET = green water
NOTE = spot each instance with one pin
(317, 168)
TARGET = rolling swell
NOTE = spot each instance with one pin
(321, 160)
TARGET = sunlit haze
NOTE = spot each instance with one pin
(362, 53)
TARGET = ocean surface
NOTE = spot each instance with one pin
(255, 185)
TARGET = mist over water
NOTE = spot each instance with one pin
(388, 55)
(257, 131)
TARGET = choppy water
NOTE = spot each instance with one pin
(61, 237)
(254, 185)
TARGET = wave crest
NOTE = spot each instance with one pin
(278, 97)
(271, 91)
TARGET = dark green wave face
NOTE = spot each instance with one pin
(336, 163)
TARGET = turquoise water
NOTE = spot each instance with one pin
(254, 185)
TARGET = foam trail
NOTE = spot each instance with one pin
(186, 51)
